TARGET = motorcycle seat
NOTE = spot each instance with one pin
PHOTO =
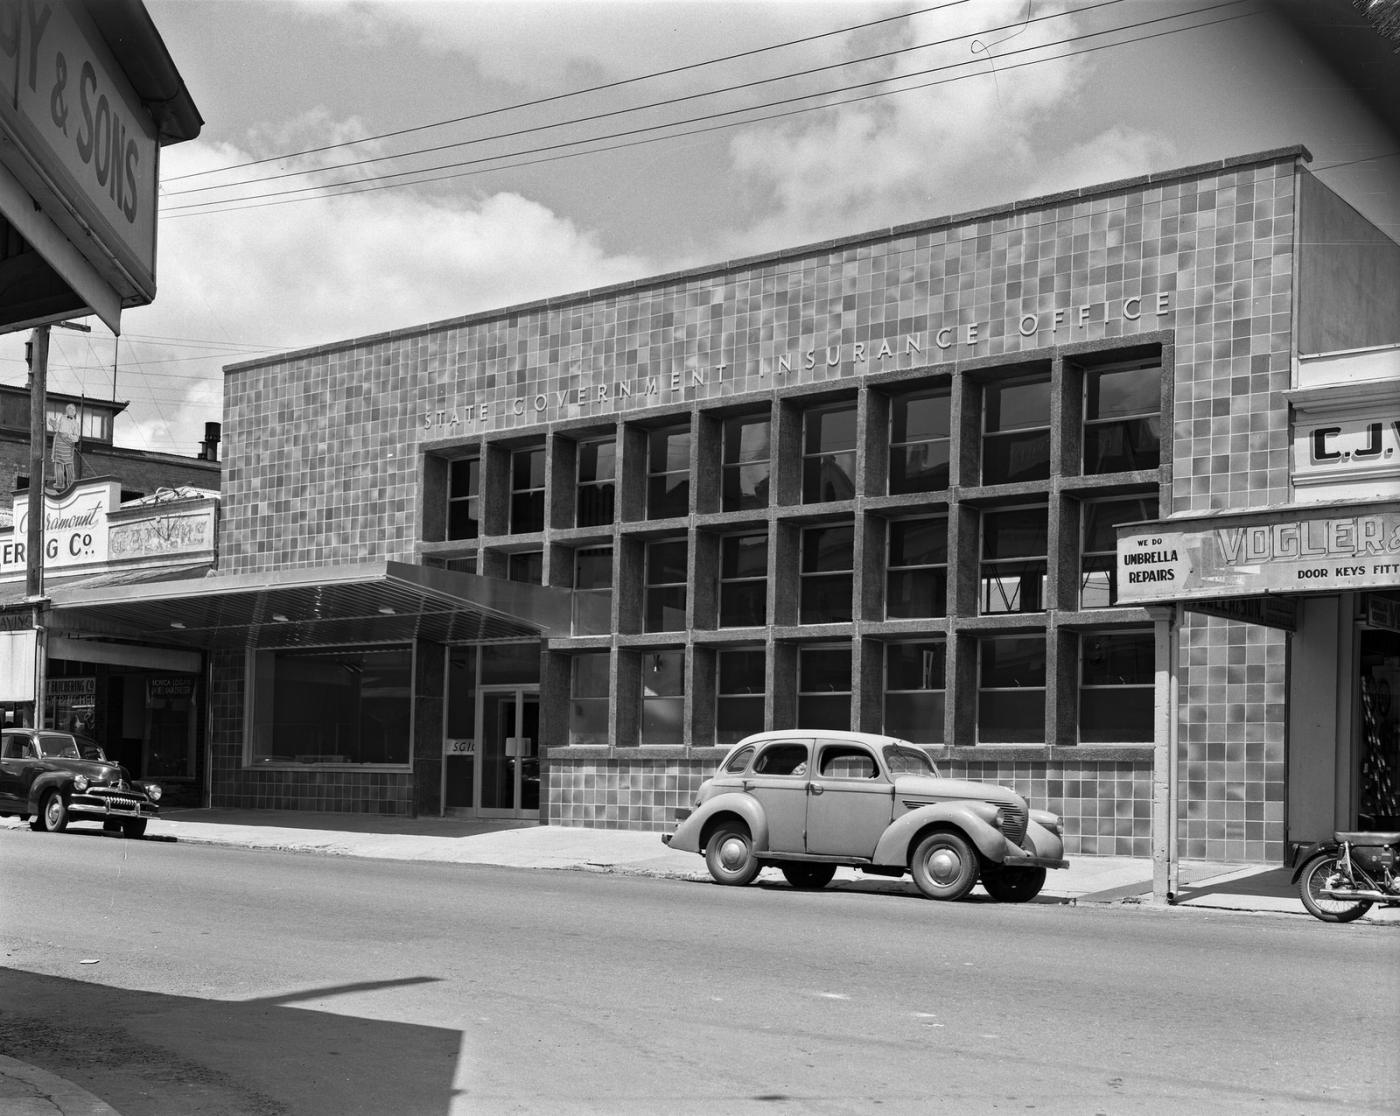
(1362, 837)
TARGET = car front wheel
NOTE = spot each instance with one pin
(1013, 885)
(729, 855)
(136, 827)
(53, 814)
(944, 866)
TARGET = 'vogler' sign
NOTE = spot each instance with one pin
(1303, 549)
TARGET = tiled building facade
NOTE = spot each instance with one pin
(869, 484)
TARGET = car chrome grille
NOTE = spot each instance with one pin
(1014, 822)
(118, 800)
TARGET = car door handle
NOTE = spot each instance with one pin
(815, 788)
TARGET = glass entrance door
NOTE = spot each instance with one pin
(508, 763)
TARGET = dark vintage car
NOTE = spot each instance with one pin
(44, 776)
(807, 802)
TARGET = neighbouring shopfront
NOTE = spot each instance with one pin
(550, 561)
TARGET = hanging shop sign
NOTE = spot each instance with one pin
(1303, 549)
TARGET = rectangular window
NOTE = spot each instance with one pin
(1117, 686)
(914, 690)
(824, 687)
(593, 576)
(665, 586)
(740, 694)
(1011, 690)
(464, 498)
(527, 491)
(1016, 431)
(588, 699)
(743, 581)
(748, 462)
(597, 484)
(916, 580)
(527, 566)
(1014, 545)
(919, 439)
(663, 697)
(828, 564)
(341, 705)
(668, 473)
(1123, 418)
(1098, 580)
(829, 454)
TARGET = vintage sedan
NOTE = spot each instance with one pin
(44, 775)
(808, 802)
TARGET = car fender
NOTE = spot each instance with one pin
(62, 780)
(690, 833)
(1042, 841)
(894, 845)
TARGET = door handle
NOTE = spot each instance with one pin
(815, 788)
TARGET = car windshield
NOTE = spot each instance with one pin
(54, 745)
(905, 759)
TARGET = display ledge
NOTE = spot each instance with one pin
(584, 752)
(1043, 753)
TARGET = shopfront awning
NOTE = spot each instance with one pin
(384, 602)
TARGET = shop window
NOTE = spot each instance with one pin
(829, 454)
(342, 705)
(739, 695)
(459, 759)
(916, 580)
(527, 491)
(748, 462)
(527, 567)
(511, 664)
(593, 575)
(1117, 672)
(1098, 580)
(824, 687)
(597, 484)
(1122, 418)
(588, 699)
(914, 690)
(919, 441)
(1016, 431)
(1011, 690)
(663, 698)
(743, 581)
(464, 498)
(668, 473)
(665, 586)
(1013, 571)
(828, 564)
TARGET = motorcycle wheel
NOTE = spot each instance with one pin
(1314, 880)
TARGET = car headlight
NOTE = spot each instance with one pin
(153, 791)
(80, 783)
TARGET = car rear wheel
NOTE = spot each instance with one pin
(729, 855)
(944, 866)
(136, 827)
(53, 814)
(809, 876)
(1013, 885)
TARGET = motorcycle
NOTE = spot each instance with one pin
(1340, 880)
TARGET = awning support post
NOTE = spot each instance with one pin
(1165, 781)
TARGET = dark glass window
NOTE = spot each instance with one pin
(1098, 583)
(748, 462)
(592, 577)
(919, 427)
(916, 581)
(828, 562)
(740, 694)
(527, 490)
(824, 687)
(588, 699)
(1016, 431)
(666, 586)
(743, 581)
(1011, 690)
(663, 697)
(914, 691)
(597, 484)
(829, 454)
(1122, 419)
(668, 473)
(1117, 686)
(527, 567)
(464, 498)
(1013, 572)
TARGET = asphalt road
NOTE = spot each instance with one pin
(176, 980)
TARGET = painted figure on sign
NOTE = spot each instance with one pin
(65, 441)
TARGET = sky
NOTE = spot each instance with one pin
(713, 132)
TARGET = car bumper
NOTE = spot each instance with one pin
(1023, 860)
(111, 806)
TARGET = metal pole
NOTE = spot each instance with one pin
(34, 544)
(1174, 757)
(1164, 760)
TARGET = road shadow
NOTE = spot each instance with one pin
(150, 1054)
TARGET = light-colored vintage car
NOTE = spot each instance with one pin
(808, 802)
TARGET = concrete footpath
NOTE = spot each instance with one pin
(1101, 880)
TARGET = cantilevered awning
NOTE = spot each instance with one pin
(385, 602)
